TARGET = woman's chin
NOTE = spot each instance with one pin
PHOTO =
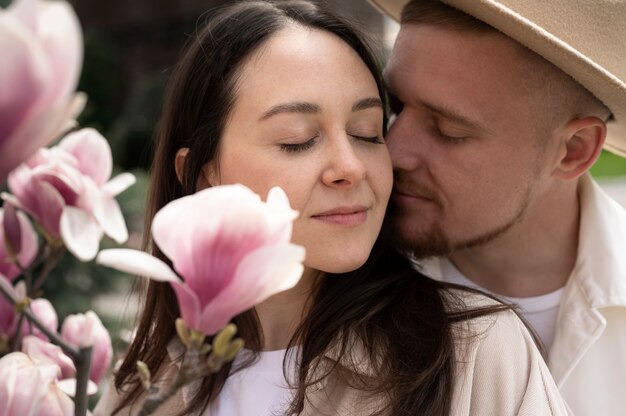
(343, 265)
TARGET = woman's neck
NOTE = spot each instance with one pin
(281, 314)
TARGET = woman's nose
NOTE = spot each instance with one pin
(345, 167)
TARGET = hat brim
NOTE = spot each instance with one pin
(603, 84)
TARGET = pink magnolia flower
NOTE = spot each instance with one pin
(45, 313)
(29, 389)
(67, 189)
(26, 238)
(41, 49)
(8, 316)
(43, 352)
(8, 322)
(84, 330)
(41, 308)
(231, 249)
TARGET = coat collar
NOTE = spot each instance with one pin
(600, 269)
(598, 279)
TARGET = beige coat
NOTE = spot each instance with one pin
(588, 355)
(499, 371)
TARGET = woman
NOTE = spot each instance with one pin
(286, 94)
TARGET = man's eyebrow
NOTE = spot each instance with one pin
(454, 116)
(295, 107)
(366, 103)
(442, 110)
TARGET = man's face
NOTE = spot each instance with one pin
(469, 157)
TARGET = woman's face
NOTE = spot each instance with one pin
(308, 118)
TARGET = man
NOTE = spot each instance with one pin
(501, 107)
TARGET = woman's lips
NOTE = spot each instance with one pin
(348, 216)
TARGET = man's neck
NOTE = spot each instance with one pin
(534, 258)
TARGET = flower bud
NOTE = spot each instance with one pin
(221, 342)
(183, 332)
(144, 374)
(28, 388)
(12, 231)
(45, 313)
(233, 349)
(85, 330)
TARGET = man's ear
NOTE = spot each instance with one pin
(583, 143)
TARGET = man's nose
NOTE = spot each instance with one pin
(403, 142)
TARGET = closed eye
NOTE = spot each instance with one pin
(298, 147)
(369, 139)
(449, 139)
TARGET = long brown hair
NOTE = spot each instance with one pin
(402, 318)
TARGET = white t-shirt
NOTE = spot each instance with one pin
(258, 390)
(540, 311)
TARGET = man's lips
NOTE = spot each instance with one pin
(407, 197)
(344, 215)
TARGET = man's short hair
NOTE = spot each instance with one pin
(562, 96)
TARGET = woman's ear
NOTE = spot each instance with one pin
(208, 175)
(581, 147)
(179, 162)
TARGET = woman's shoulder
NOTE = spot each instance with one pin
(485, 331)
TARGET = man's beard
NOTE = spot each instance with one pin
(435, 243)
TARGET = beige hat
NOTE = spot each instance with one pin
(585, 38)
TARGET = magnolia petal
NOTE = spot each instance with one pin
(137, 263)
(23, 232)
(43, 352)
(109, 215)
(24, 75)
(8, 320)
(205, 209)
(207, 233)
(86, 330)
(80, 232)
(59, 32)
(11, 227)
(66, 180)
(45, 313)
(25, 11)
(48, 208)
(265, 272)
(68, 386)
(119, 184)
(93, 153)
(279, 203)
(56, 403)
(24, 385)
(78, 329)
(280, 216)
(29, 241)
(189, 305)
(41, 129)
(8, 287)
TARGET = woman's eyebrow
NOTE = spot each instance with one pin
(367, 103)
(295, 107)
